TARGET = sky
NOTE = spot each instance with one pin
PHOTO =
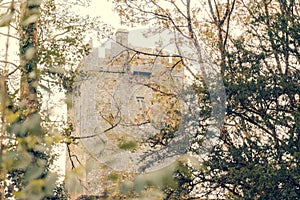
(104, 9)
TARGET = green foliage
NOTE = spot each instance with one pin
(51, 47)
(129, 145)
(61, 43)
(113, 176)
(182, 183)
(255, 45)
(258, 158)
(59, 193)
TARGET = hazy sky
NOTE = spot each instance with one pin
(104, 9)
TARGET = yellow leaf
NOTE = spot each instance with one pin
(31, 141)
(37, 185)
(11, 117)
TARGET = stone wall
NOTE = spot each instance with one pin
(114, 105)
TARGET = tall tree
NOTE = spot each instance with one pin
(25, 159)
(258, 58)
(48, 54)
(260, 159)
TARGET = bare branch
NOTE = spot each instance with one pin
(10, 36)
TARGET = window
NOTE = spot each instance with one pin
(140, 101)
(140, 105)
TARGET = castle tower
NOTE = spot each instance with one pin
(117, 108)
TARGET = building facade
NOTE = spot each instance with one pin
(125, 100)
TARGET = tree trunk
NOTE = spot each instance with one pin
(29, 15)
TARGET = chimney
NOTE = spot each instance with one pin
(122, 36)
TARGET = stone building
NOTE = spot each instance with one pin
(123, 100)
